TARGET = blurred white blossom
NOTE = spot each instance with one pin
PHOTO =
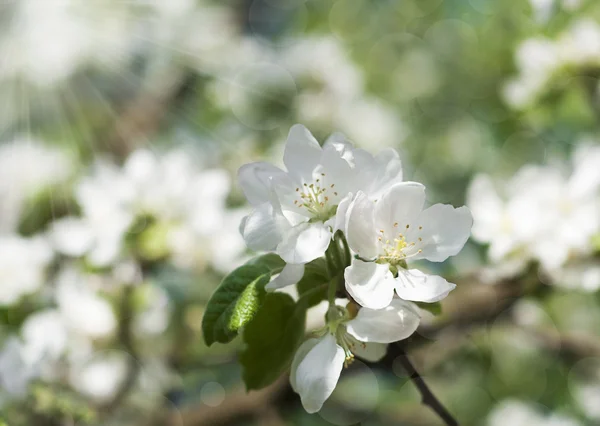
(99, 377)
(23, 264)
(27, 167)
(518, 413)
(540, 59)
(542, 215)
(168, 202)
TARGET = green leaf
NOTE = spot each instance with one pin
(435, 308)
(234, 303)
(237, 299)
(270, 260)
(271, 339)
(314, 280)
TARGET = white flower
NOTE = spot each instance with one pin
(84, 312)
(45, 336)
(518, 413)
(15, 371)
(295, 210)
(99, 377)
(26, 168)
(581, 274)
(23, 264)
(505, 226)
(105, 198)
(171, 195)
(541, 214)
(394, 229)
(154, 319)
(567, 217)
(318, 362)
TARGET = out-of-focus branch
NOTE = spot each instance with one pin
(427, 396)
(139, 119)
(126, 342)
(573, 345)
(471, 305)
(238, 405)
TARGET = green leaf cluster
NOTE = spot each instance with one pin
(272, 324)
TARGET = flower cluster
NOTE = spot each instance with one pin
(539, 215)
(540, 59)
(334, 193)
(67, 276)
(519, 413)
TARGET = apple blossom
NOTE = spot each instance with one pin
(387, 233)
(295, 210)
(533, 216)
(23, 264)
(318, 362)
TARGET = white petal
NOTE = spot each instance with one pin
(401, 204)
(486, 205)
(396, 322)
(371, 352)
(71, 236)
(360, 230)
(341, 215)
(299, 356)
(255, 181)
(302, 152)
(290, 275)
(341, 144)
(370, 284)
(304, 242)
(414, 285)
(336, 170)
(443, 230)
(261, 229)
(318, 372)
(378, 173)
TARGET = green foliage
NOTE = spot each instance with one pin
(45, 207)
(435, 308)
(57, 403)
(313, 284)
(271, 340)
(237, 299)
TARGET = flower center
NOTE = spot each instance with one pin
(337, 316)
(317, 198)
(348, 344)
(396, 248)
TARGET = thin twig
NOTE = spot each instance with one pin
(428, 398)
(126, 341)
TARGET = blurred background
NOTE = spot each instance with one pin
(122, 125)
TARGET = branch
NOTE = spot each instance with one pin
(138, 120)
(126, 341)
(428, 398)
(238, 405)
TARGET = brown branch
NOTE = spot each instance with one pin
(138, 120)
(238, 405)
(427, 396)
(126, 342)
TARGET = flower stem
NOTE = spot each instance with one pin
(331, 291)
(341, 238)
(427, 397)
(332, 256)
